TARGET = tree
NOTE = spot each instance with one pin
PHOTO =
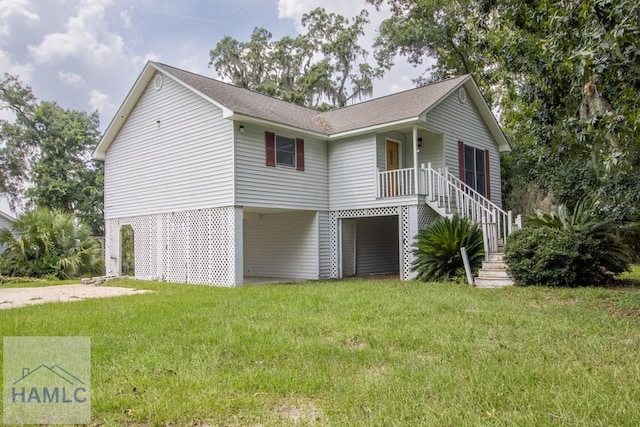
(46, 242)
(45, 155)
(565, 76)
(289, 69)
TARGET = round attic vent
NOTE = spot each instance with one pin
(462, 95)
(157, 82)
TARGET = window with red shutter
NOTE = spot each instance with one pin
(299, 154)
(270, 144)
(284, 151)
(473, 165)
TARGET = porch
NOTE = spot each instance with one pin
(448, 195)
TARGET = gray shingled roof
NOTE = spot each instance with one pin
(247, 102)
(387, 109)
(392, 108)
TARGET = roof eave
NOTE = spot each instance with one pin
(123, 112)
(377, 127)
(264, 122)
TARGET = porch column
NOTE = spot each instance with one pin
(416, 172)
(237, 274)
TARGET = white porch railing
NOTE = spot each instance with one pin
(451, 196)
(399, 182)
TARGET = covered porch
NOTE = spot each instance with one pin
(402, 156)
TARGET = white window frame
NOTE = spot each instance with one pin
(295, 153)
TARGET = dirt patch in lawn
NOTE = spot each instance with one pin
(20, 297)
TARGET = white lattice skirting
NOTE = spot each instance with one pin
(185, 247)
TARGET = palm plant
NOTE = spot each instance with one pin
(438, 246)
(45, 242)
(608, 254)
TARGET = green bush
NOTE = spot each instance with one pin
(631, 237)
(543, 256)
(49, 243)
(583, 250)
(438, 246)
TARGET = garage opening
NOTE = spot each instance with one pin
(370, 246)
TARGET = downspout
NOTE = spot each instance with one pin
(416, 172)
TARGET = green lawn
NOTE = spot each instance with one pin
(356, 352)
(36, 283)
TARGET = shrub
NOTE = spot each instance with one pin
(567, 250)
(631, 237)
(438, 246)
(543, 256)
(49, 243)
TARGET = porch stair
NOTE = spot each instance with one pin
(448, 196)
(493, 273)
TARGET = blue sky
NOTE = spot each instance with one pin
(86, 54)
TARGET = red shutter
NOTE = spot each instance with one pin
(300, 154)
(461, 160)
(270, 144)
(487, 174)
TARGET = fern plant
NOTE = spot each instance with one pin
(437, 251)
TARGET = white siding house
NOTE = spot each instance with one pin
(6, 221)
(222, 185)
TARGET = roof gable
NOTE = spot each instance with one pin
(243, 104)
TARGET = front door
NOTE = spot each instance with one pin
(392, 164)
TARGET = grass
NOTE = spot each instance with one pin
(27, 282)
(356, 352)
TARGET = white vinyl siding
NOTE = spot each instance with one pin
(432, 150)
(4, 222)
(377, 249)
(281, 245)
(353, 175)
(462, 122)
(174, 153)
(352, 172)
(259, 185)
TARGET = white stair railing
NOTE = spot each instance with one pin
(452, 195)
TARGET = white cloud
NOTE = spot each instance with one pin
(139, 62)
(72, 79)
(294, 9)
(7, 64)
(100, 101)
(86, 36)
(126, 18)
(11, 11)
(196, 63)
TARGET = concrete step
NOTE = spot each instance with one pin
(497, 256)
(494, 274)
(494, 265)
(492, 282)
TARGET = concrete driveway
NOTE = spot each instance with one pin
(20, 297)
